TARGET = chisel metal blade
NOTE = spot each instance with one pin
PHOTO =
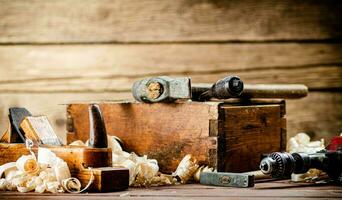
(227, 179)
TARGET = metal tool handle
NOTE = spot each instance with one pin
(228, 87)
(282, 91)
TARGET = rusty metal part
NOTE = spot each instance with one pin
(227, 179)
(161, 89)
(228, 87)
(97, 129)
(166, 89)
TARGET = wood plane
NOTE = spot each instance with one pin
(82, 161)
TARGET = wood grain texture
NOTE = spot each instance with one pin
(165, 132)
(113, 68)
(319, 115)
(248, 132)
(12, 152)
(106, 179)
(278, 190)
(39, 21)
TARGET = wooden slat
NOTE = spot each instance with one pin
(319, 115)
(111, 68)
(249, 131)
(172, 20)
(316, 78)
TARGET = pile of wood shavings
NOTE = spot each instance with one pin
(144, 172)
(48, 174)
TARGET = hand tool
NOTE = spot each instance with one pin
(14, 134)
(227, 179)
(83, 161)
(167, 89)
(161, 89)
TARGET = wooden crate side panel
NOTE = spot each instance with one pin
(166, 132)
(250, 131)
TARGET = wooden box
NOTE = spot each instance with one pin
(230, 136)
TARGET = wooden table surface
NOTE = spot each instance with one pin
(266, 190)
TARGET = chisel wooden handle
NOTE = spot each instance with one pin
(281, 91)
(97, 129)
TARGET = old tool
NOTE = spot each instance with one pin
(228, 87)
(39, 130)
(161, 89)
(282, 165)
(167, 89)
(82, 161)
(97, 129)
(227, 179)
(204, 92)
(14, 134)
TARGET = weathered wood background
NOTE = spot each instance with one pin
(55, 52)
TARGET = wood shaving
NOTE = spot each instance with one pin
(44, 175)
(28, 164)
(71, 185)
(186, 168)
(6, 168)
(301, 143)
(77, 143)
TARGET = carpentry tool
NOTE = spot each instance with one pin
(282, 165)
(166, 89)
(14, 134)
(97, 129)
(39, 130)
(228, 87)
(227, 179)
(161, 89)
(82, 161)
(219, 90)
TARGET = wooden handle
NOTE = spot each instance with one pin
(97, 129)
(278, 91)
(258, 175)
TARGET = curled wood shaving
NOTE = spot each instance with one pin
(28, 164)
(6, 168)
(186, 168)
(73, 185)
(301, 143)
(46, 175)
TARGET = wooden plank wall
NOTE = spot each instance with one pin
(55, 52)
